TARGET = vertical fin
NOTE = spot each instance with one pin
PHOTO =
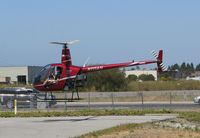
(159, 57)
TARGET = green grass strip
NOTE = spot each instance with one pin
(110, 130)
(190, 116)
(84, 113)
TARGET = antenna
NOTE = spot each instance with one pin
(86, 62)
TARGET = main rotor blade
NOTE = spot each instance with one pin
(65, 43)
(72, 42)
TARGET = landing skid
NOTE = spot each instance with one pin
(48, 99)
(72, 86)
(77, 95)
(60, 100)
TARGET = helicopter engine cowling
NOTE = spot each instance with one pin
(79, 81)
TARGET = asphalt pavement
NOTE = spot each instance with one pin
(129, 106)
(64, 127)
(118, 105)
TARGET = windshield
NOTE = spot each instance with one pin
(48, 72)
(41, 75)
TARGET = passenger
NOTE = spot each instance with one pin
(52, 79)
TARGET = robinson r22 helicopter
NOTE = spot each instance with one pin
(72, 77)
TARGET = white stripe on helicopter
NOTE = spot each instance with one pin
(66, 78)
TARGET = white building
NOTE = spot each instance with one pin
(22, 74)
(193, 78)
(139, 72)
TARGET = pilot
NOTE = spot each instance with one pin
(59, 72)
(52, 79)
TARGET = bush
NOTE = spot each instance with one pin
(165, 77)
(107, 80)
(144, 77)
(132, 78)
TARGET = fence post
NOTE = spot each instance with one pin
(47, 102)
(12, 103)
(15, 106)
(31, 103)
(142, 96)
(113, 106)
(89, 100)
(185, 96)
(65, 106)
(170, 98)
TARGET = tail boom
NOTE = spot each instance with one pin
(111, 66)
(159, 61)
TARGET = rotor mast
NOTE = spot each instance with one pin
(66, 57)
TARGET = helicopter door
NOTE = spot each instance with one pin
(54, 73)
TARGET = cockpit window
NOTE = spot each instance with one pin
(41, 74)
(48, 73)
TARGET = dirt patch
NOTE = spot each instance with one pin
(150, 132)
(175, 128)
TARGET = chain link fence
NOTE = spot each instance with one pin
(169, 100)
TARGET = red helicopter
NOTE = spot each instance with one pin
(67, 77)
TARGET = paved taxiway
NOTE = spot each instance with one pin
(120, 105)
(64, 127)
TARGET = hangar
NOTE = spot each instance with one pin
(18, 74)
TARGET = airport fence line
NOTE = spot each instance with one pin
(111, 101)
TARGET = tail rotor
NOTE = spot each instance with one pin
(159, 57)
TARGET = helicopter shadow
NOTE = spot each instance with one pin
(70, 120)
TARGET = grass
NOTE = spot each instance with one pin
(119, 128)
(164, 85)
(142, 86)
(84, 113)
(142, 130)
(14, 85)
(131, 128)
(190, 116)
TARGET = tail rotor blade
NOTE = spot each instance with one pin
(154, 54)
(159, 57)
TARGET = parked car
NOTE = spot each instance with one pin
(23, 96)
(197, 99)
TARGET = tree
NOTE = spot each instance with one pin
(107, 80)
(165, 77)
(174, 67)
(132, 78)
(192, 67)
(198, 67)
(183, 67)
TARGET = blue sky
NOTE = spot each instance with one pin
(110, 31)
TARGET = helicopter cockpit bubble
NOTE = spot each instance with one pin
(47, 72)
(41, 75)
